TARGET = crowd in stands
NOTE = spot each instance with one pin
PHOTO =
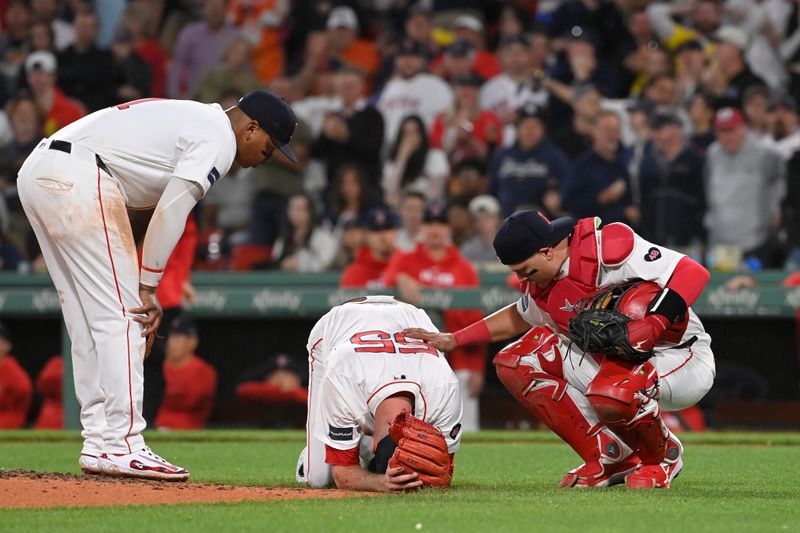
(678, 118)
(423, 124)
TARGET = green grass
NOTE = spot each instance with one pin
(504, 482)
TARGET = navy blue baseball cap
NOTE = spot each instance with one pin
(434, 214)
(274, 116)
(183, 323)
(526, 232)
(379, 219)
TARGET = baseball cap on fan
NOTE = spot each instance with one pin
(274, 116)
(379, 219)
(526, 232)
(728, 118)
(41, 60)
(469, 22)
(435, 214)
(342, 17)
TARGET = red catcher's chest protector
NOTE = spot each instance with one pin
(561, 296)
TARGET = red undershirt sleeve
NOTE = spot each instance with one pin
(341, 457)
(688, 280)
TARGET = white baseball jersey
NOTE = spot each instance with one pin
(425, 95)
(146, 142)
(366, 359)
(686, 371)
(503, 95)
(647, 261)
(78, 211)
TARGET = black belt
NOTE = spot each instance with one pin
(66, 147)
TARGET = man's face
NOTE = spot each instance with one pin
(436, 235)
(706, 16)
(756, 109)
(606, 133)
(471, 181)
(589, 104)
(725, 54)
(458, 65)
(516, 58)
(666, 136)
(40, 80)
(341, 37)
(353, 238)
(381, 242)
(85, 28)
(18, 18)
(408, 65)
(412, 210)
(540, 268)
(540, 49)
(466, 95)
(731, 139)
(530, 132)
(254, 146)
(458, 218)
(214, 12)
(486, 223)
(180, 345)
(639, 26)
(24, 119)
(785, 121)
(349, 87)
(419, 27)
(663, 91)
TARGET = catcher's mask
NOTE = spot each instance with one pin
(383, 453)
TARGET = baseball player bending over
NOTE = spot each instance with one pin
(384, 411)
(76, 188)
(637, 347)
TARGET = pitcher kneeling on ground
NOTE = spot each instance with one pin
(384, 411)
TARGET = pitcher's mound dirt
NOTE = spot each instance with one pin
(25, 489)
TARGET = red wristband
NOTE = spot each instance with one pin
(475, 333)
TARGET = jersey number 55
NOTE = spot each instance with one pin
(376, 341)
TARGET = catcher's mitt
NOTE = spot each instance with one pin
(604, 331)
(421, 448)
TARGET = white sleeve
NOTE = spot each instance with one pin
(166, 227)
(340, 427)
(422, 320)
(661, 20)
(436, 171)
(529, 311)
(648, 261)
(320, 253)
(316, 339)
(449, 421)
(203, 158)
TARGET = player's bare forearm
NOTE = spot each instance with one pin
(356, 478)
(409, 289)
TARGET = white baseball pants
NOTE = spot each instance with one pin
(79, 217)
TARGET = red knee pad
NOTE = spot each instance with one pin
(611, 411)
(539, 342)
(613, 391)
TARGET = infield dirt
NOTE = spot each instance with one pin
(24, 489)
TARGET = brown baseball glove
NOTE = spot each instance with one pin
(421, 448)
(148, 345)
